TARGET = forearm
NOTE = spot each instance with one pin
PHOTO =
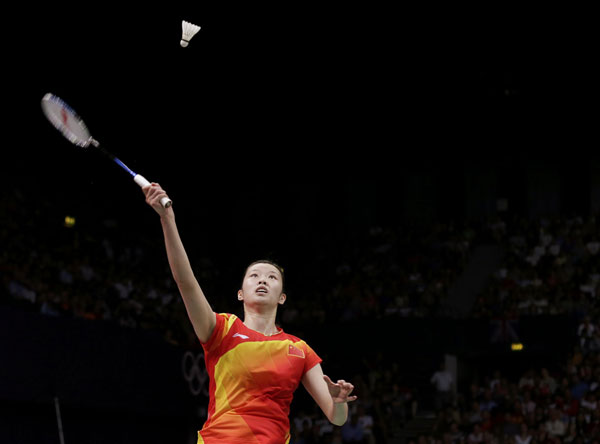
(332, 397)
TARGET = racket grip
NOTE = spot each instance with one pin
(142, 182)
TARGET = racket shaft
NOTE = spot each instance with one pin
(142, 182)
(122, 165)
(114, 158)
(138, 178)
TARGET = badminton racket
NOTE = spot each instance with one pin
(68, 122)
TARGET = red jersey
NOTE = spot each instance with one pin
(252, 381)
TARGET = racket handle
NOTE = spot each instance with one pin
(142, 182)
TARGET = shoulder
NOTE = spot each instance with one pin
(295, 339)
(299, 344)
(227, 315)
(227, 318)
(223, 325)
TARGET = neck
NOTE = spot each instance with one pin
(261, 322)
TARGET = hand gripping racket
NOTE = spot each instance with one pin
(66, 120)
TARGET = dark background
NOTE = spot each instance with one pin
(280, 128)
(289, 119)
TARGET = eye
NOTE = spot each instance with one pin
(273, 277)
(253, 275)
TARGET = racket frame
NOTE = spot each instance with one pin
(85, 143)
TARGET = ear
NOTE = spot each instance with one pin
(282, 298)
(240, 295)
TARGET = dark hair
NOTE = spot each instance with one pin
(270, 262)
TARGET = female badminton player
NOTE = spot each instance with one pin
(254, 367)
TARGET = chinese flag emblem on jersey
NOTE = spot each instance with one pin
(295, 351)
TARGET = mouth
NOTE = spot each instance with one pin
(262, 289)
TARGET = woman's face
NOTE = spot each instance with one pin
(262, 285)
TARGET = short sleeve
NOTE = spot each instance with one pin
(311, 357)
(219, 332)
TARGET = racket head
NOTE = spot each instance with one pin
(66, 120)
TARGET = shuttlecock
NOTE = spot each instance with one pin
(189, 30)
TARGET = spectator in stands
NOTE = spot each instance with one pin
(578, 387)
(476, 435)
(473, 415)
(571, 434)
(443, 383)
(528, 404)
(588, 405)
(366, 422)
(302, 421)
(353, 431)
(524, 436)
(487, 425)
(547, 383)
(555, 426)
(586, 332)
(456, 434)
(487, 402)
(527, 381)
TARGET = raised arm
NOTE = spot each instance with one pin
(199, 311)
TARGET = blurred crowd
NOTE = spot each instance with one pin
(52, 265)
(555, 405)
(551, 266)
(105, 272)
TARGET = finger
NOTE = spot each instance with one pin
(151, 195)
(154, 198)
(152, 185)
(345, 391)
(352, 398)
(155, 192)
(146, 189)
(157, 200)
(327, 380)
